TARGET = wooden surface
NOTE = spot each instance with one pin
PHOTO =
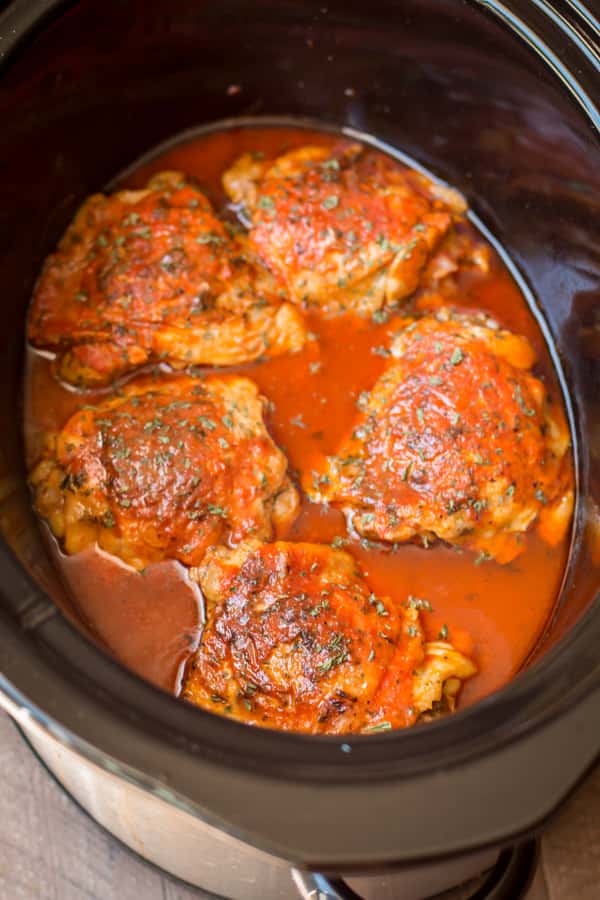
(51, 850)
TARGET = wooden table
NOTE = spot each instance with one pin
(51, 850)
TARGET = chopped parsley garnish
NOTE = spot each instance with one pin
(381, 351)
(518, 397)
(419, 603)
(210, 238)
(363, 399)
(338, 654)
(207, 423)
(381, 726)
(330, 168)
(319, 479)
(380, 316)
(483, 557)
(319, 608)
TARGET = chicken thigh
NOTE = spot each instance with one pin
(457, 440)
(165, 469)
(151, 275)
(296, 640)
(346, 228)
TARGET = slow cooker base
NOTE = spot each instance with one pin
(258, 876)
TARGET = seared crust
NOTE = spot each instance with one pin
(153, 274)
(347, 228)
(164, 470)
(457, 440)
(296, 640)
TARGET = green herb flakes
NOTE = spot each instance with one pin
(419, 603)
(381, 726)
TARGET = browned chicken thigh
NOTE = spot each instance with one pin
(151, 275)
(296, 640)
(165, 469)
(346, 228)
(457, 440)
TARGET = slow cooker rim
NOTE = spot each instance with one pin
(22, 18)
(53, 631)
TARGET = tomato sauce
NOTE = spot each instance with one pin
(152, 621)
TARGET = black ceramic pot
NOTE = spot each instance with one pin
(500, 100)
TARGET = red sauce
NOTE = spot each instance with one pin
(496, 612)
(151, 622)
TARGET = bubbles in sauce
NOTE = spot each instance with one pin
(152, 621)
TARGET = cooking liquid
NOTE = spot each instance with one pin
(152, 621)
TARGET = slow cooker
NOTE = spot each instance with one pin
(500, 99)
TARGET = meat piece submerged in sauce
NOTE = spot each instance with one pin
(348, 229)
(153, 274)
(165, 469)
(457, 441)
(296, 640)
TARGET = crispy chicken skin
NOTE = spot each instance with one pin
(295, 640)
(165, 469)
(345, 228)
(457, 440)
(153, 274)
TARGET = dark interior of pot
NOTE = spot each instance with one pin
(94, 85)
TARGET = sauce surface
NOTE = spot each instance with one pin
(496, 613)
